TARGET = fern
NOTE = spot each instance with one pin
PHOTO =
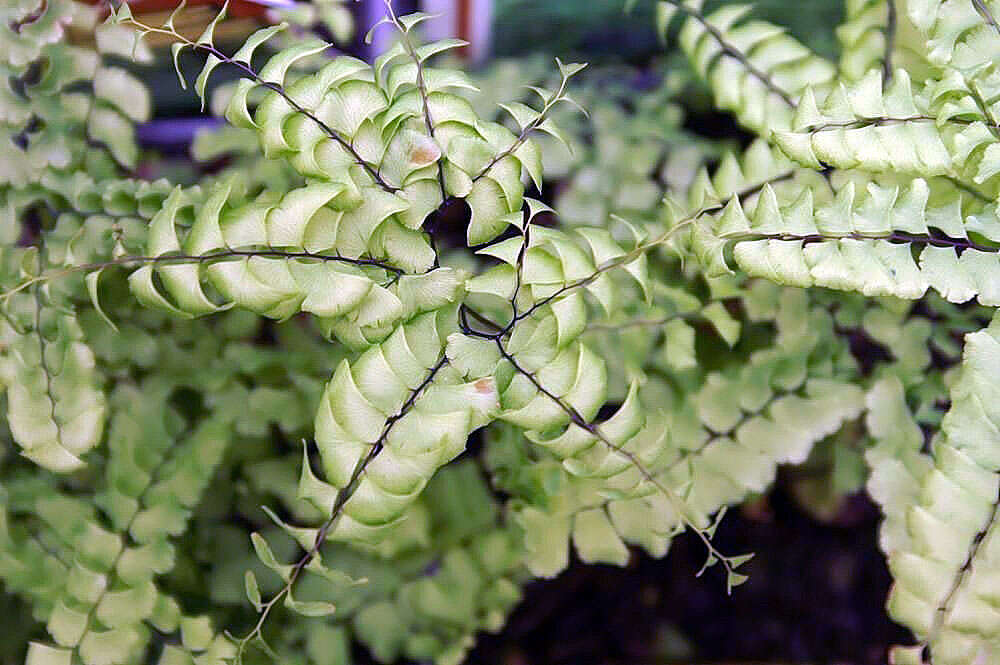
(648, 351)
(55, 404)
(938, 591)
(907, 207)
(753, 68)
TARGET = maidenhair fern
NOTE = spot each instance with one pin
(277, 452)
(905, 208)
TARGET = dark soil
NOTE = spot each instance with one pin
(816, 594)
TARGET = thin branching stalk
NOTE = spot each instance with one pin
(252, 74)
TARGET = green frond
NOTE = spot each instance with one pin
(860, 127)
(554, 269)
(754, 69)
(26, 34)
(278, 255)
(473, 582)
(154, 478)
(878, 242)
(366, 128)
(711, 448)
(397, 413)
(898, 131)
(960, 35)
(47, 126)
(55, 400)
(386, 423)
(36, 558)
(943, 553)
(898, 465)
(867, 37)
(635, 353)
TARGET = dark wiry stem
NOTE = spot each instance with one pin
(899, 236)
(466, 311)
(594, 430)
(887, 120)
(421, 86)
(337, 510)
(519, 267)
(734, 52)
(987, 15)
(947, 602)
(278, 89)
(527, 129)
(204, 258)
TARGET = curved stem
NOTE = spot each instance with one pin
(187, 258)
(594, 430)
(338, 506)
(734, 52)
(421, 86)
(527, 129)
(253, 75)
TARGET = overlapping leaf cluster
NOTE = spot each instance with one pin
(319, 341)
(881, 180)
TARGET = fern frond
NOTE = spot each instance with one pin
(712, 446)
(634, 385)
(271, 255)
(898, 466)
(48, 124)
(540, 269)
(553, 386)
(868, 38)
(153, 482)
(943, 562)
(753, 67)
(858, 127)
(893, 132)
(29, 27)
(386, 423)
(960, 35)
(409, 420)
(35, 557)
(55, 399)
(878, 243)
(416, 142)
(469, 586)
